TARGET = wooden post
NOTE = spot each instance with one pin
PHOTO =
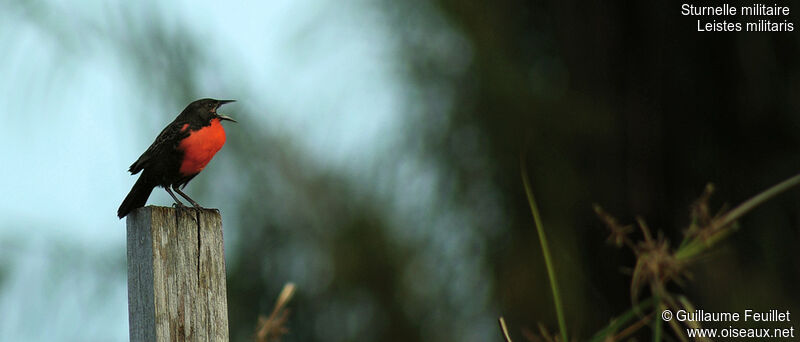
(176, 275)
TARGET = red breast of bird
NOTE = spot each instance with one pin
(200, 146)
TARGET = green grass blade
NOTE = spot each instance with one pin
(622, 320)
(562, 325)
(696, 246)
(657, 328)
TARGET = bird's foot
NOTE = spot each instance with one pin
(195, 204)
(178, 205)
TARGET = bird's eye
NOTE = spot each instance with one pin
(210, 105)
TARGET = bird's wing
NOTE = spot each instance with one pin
(169, 138)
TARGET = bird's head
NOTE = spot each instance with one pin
(207, 109)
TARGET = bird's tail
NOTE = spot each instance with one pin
(137, 197)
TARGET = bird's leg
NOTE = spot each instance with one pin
(177, 202)
(187, 197)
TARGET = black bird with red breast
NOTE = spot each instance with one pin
(179, 153)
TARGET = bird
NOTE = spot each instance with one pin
(178, 154)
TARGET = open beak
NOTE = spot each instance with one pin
(225, 117)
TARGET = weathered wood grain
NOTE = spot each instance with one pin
(176, 275)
